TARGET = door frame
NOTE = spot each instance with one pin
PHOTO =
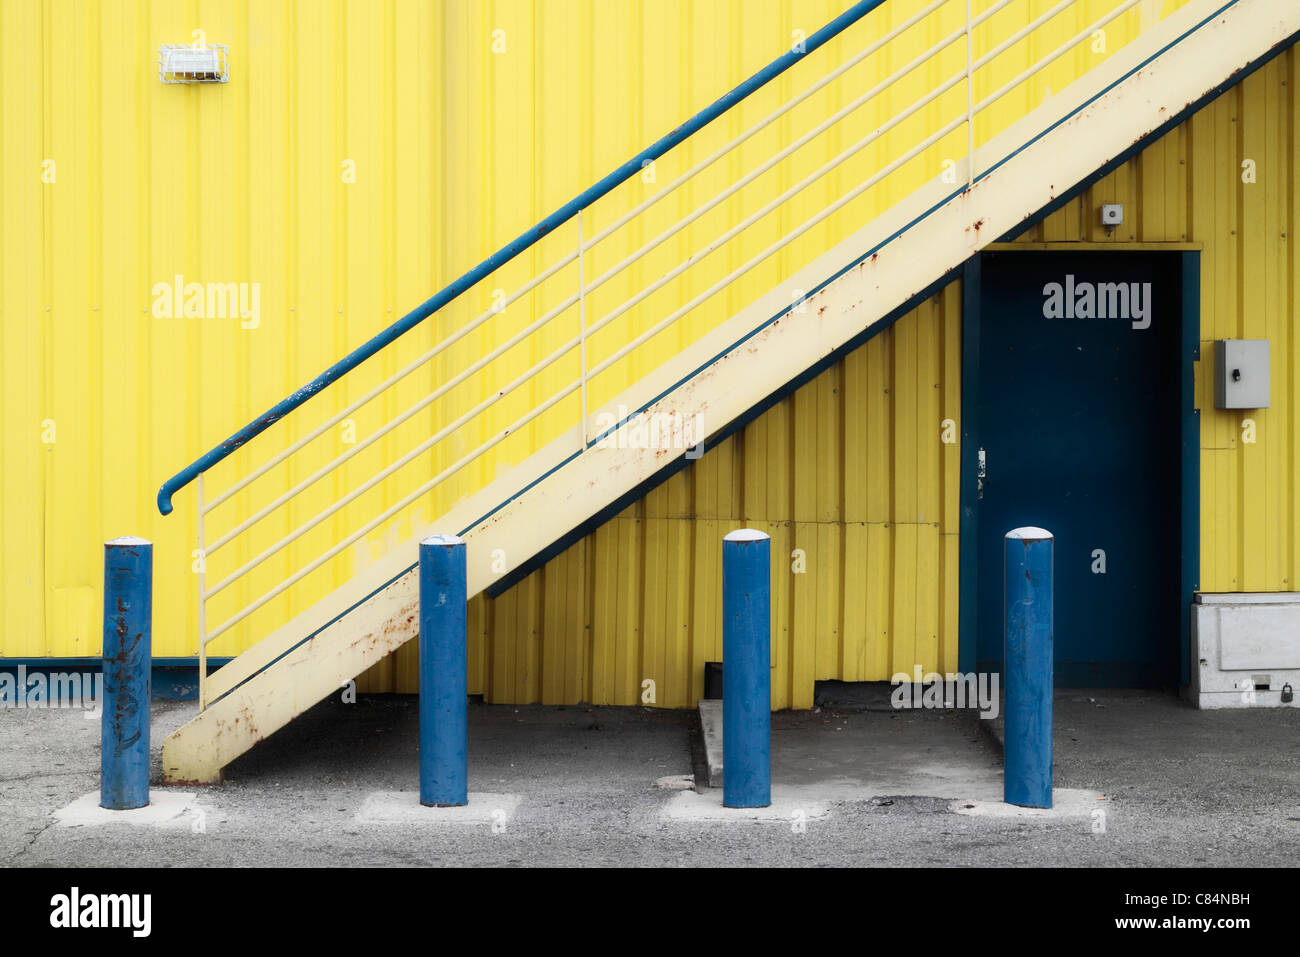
(1189, 349)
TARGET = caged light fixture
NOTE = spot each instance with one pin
(193, 64)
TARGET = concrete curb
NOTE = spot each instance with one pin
(711, 731)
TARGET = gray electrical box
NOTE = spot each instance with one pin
(1241, 374)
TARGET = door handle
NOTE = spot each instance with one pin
(981, 472)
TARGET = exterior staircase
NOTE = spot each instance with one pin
(580, 472)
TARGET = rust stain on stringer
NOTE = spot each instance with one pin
(396, 630)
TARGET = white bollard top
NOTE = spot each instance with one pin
(746, 535)
(443, 540)
(1030, 533)
(128, 540)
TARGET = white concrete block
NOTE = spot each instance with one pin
(165, 808)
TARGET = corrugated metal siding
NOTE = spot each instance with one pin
(1188, 187)
(838, 468)
(850, 471)
(456, 149)
(233, 183)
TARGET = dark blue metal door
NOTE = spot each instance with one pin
(1078, 421)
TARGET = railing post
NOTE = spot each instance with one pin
(582, 324)
(1027, 777)
(746, 669)
(128, 639)
(970, 106)
(203, 601)
(443, 672)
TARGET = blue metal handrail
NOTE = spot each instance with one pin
(509, 252)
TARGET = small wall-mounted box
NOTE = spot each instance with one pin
(1241, 374)
(190, 64)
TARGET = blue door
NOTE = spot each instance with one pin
(1077, 421)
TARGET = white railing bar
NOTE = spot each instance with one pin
(596, 239)
(1056, 54)
(576, 341)
(581, 340)
(393, 423)
(414, 496)
(861, 144)
(384, 473)
(609, 274)
(1020, 34)
(764, 123)
(928, 141)
(253, 476)
(777, 246)
(740, 227)
(791, 148)
(394, 379)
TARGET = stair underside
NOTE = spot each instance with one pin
(733, 368)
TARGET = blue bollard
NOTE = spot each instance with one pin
(128, 653)
(444, 682)
(746, 669)
(1027, 779)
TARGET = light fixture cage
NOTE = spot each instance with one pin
(180, 63)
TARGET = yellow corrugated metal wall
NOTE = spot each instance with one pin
(111, 182)
(851, 469)
(363, 155)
